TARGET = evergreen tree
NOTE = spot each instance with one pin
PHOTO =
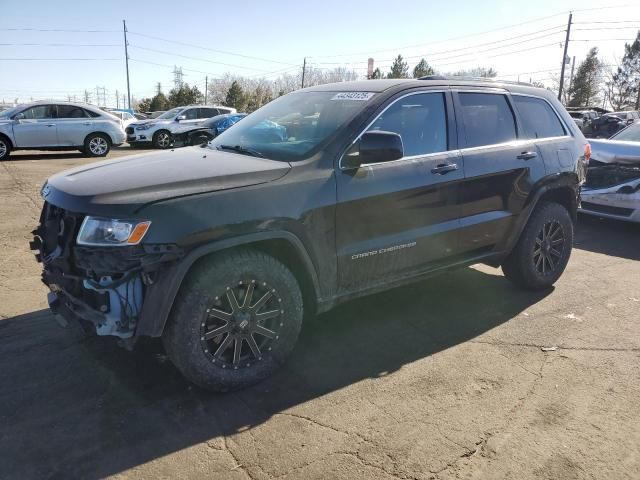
(377, 74)
(627, 78)
(159, 102)
(584, 88)
(235, 97)
(399, 69)
(184, 95)
(422, 69)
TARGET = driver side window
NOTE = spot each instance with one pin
(41, 112)
(420, 120)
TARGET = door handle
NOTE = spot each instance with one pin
(444, 168)
(87, 123)
(527, 155)
(51, 124)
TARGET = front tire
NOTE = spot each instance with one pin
(97, 145)
(236, 319)
(162, 139)
(543, 250)
(5, 149)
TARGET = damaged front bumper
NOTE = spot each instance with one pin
(612, 191)
(101, 286)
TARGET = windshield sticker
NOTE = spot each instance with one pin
(355, 96)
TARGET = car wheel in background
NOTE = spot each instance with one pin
(5, 149)
(543, 250)
(97, 145)
(235, 321)
(162, 139)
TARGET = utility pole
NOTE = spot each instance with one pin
(117, 100)
(158, 88)
(573, 66)
(304, 68)
(97, 96)
(564, 56)
(86, 96)
(126, 58)
(206, 87)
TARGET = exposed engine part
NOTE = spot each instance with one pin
(125, 303)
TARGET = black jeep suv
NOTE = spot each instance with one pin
(323, 195)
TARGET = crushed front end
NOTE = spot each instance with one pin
(102, 286)
(612, 190)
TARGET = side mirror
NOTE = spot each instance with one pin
(375, 146)
(181, 117)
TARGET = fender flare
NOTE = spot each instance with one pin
(161, 295)
(565, 180)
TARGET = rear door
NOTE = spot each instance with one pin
(207, 112)
(500, 167)
(73, 125)
(394, 219)
(36, 127)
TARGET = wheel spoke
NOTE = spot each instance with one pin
(265, 332)
(261, 317)
(231, 296)
(557, 231)
(237, 349)
(223, 346)
(254, 346)
(557, 241)
(540, 258)
(220, 315)
(538, 240)
(554, 252)
(216, 331)
(265, 298)
(248, 295)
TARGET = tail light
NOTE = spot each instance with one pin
(587, 152)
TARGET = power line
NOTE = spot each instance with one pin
(62, 59)
(55, 30)
(262, 59)
(163, 52)
(59, 45)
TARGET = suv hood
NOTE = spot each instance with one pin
(123, 186)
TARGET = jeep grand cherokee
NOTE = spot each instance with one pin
(323, 195)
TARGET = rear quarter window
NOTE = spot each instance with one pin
(538, 118)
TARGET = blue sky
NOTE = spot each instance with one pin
(329, 33)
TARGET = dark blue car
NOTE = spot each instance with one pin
(206, 131)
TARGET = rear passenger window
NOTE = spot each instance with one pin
(420, 120)
(70, 111)
(538, 118)
(91, 113)
(487, 118)
(208, 112)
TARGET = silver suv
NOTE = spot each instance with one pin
(50, 125)
(159, 131)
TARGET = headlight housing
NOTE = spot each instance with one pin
(143, 127)
(104, 232)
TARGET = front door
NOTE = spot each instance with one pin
(393, 219)
(36, 127)
(500, 167)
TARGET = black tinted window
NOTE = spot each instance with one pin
(208, 112)
(38, 113)
(538, 118)
(70, 111)
(487, 119)
(224, 110)
(420, 120)
(191, 114)
(92, 114)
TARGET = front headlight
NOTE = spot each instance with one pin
(110, 232)
(143, 127)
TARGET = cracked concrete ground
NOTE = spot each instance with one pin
(444, 379)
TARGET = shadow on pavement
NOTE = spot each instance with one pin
(88, 409)
(67, 154)
(608, 236)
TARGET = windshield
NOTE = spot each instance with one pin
(629, 134)
(10, 111)
(291, 127)
(171, 113)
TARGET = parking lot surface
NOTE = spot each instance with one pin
(443, 379)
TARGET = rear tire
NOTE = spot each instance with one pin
(162, 139)
(543, 250)
(236, 319)
(97, 145)
(5, 148)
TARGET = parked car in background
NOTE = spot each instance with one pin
(155, 114)
(126, 118)
(612, 188)
(606, 125)
(206, 131)
(583, 118)
(48, 125)
(159, 131)
(323, 195)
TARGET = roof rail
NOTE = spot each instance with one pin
(473, 79)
